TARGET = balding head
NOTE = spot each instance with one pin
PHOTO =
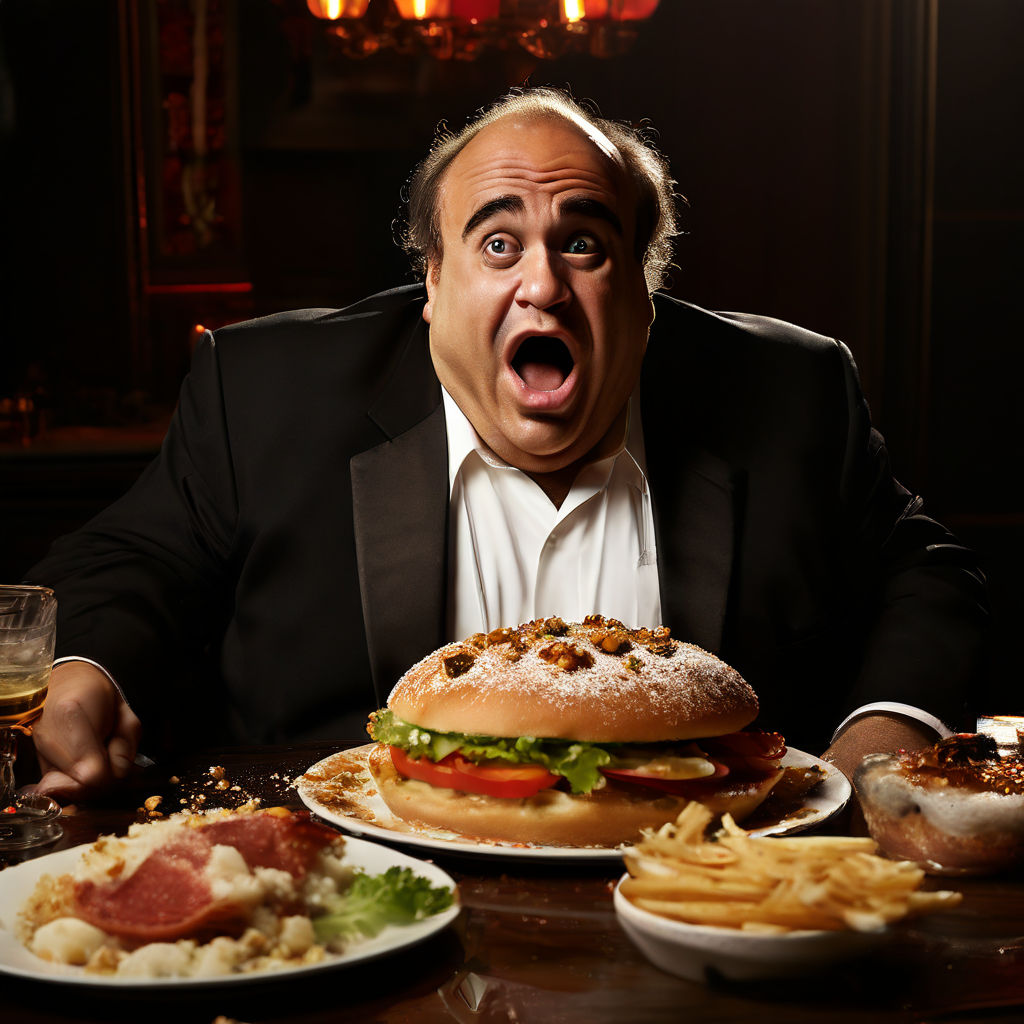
(643, 168)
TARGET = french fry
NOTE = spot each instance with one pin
(771, 885)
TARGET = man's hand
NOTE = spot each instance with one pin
(87, 737)
(877, 733)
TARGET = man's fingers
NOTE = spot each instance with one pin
(122, 756)
(124, 741)
(128, 725)
(56, 784)
(71, 745)
(86, 736)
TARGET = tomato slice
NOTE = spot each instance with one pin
(742, 756)
(751, 743)
(512, 782)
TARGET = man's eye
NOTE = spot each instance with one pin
(582, 245)
(500, 247)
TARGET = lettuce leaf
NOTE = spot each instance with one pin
(578, 762)
(371, 902)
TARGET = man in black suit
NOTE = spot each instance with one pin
(342, 491)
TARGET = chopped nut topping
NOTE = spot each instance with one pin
(456, 664)
(657, 641)
(566, 656)
(500, 636)
(541, 628)
(613, 641)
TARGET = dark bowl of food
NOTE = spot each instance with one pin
(956, 808)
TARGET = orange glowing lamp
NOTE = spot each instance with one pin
(573, 11)
(332, 10)
(422, 10)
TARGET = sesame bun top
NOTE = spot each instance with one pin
(596, 681)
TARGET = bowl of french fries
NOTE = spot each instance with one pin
(701, 902)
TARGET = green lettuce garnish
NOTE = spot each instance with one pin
(371, 902)
(578, 762)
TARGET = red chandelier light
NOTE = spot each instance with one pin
(464, 28)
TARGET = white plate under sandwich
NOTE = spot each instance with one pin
(341, 790)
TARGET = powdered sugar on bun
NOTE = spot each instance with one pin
(596, 681)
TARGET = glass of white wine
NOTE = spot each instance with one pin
(28, 629)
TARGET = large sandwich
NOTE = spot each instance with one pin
(569, 735)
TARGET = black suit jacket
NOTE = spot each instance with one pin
(283, 560)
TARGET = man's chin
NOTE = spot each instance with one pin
(546, 455)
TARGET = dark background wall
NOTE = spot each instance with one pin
(851, 165)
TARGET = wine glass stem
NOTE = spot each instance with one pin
(8, 752)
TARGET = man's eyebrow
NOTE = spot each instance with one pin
(500, 204)
(588, 207)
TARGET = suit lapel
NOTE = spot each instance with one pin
(400, 508)
(697, 495)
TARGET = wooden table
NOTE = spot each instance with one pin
(539, 943)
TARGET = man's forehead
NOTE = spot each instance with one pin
(542, 150)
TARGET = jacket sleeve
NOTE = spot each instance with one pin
(140, 587)
(925, 607)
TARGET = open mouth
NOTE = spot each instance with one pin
(542, 363)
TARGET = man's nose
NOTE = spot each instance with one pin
(543, 283)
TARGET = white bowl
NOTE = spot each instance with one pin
(698, 952)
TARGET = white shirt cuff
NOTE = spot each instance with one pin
(892, 708)
(95, 664)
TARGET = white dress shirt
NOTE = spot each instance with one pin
(514, 557)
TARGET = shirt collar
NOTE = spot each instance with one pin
(464, 441)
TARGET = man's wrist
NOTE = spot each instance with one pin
(908, 712)
(95, 664)
(876, 732)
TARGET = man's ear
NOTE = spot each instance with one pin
(433, 271)
(650, 323)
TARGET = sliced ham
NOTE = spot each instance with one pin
(169, 897)
(166, 897)
(272, 841)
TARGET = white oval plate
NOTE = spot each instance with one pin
(17, 883)
(359, 809)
